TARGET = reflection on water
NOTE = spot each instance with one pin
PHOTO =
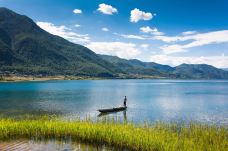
(110, 113)
(50, 145)
(148, 100)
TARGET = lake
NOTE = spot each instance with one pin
(148, 100)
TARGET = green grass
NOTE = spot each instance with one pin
(157, 137)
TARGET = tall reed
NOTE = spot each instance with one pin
(144, 137)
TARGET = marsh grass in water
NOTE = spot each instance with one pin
(155, 137)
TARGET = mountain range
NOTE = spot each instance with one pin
(26, 49)
(183, 71)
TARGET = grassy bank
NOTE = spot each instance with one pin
(155, 137)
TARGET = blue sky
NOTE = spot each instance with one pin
(164, 31)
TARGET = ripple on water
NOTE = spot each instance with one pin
(49, 145)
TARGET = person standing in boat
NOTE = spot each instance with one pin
(125, 101)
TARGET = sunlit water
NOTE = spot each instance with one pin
(148, 100)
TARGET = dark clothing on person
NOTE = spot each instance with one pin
(125, 101)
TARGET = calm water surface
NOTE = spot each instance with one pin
(148, 100)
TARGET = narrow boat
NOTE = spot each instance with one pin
(113, 109)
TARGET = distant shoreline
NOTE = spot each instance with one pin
(48, 78)
(66, 78)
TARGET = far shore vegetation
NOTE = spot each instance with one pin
(62, 77)
(44, 78)
(140, 137)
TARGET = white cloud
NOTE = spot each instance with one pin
(196, 40)
(104, 29)
(64, 32)
(77, 11)
(77, 25)
(144, 46)
(107, 9)
(120, 49)
(131, 36)
(146, 29)
(169, 49)
(217, 61)
(188, 32)
(167, 39)
(153, 31)
(137, 15)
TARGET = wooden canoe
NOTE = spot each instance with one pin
(112, 109)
